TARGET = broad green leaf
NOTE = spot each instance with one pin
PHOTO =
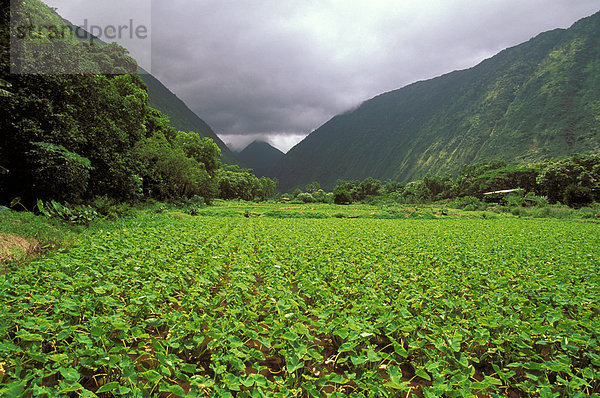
(173, 389)
(554, 317)
(69, 374)
(108, 387)
(293, 364)
(423, 374)
(57, 357)
(30, 337)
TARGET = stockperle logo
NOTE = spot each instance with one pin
(70, 37)
(87, 31)
(129, 30)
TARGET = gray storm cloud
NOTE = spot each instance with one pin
(277, 70)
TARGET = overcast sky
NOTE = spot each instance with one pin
(278, 69)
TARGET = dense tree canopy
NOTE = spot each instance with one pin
(238, 183)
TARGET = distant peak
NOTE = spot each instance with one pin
(259, 144)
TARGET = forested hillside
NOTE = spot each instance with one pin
(74, 133)
(538, 100)
(180, 115)
(161, 98)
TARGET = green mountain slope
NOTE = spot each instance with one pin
(261, 157)
(180, 115)
(536, 100)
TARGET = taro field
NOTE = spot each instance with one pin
(163, 305)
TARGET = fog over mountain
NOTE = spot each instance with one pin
(277, 70)
(534, 101)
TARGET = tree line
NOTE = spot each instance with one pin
(574, 181)
(74, 138)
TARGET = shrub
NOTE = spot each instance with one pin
(323, 197)
(77, 215)
(560, 212)
(305, 197)
(109, 208)
(342, 196)
(57, 173)
(468, 203)
(577, 196)
(537, 201)
(542, 212)
(589, 212)
(515, 201)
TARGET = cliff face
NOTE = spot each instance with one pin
(537, 100)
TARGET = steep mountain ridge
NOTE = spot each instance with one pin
(536, 100)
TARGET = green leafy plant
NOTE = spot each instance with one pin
(312, 307)
(78, 215)
(468, 203)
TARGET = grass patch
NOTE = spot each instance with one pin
(23, 235)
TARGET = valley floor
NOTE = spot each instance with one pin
(308, 300)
